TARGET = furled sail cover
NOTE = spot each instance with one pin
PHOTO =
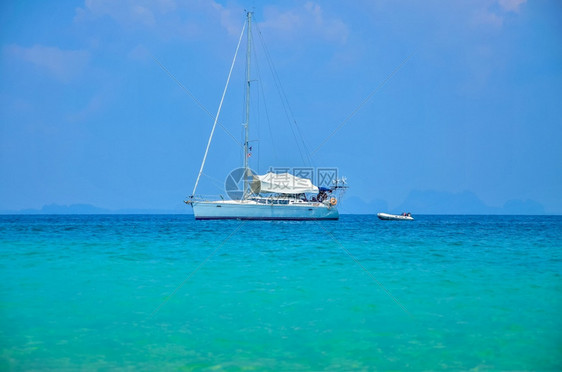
(282, 183)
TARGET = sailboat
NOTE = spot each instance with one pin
(272, 196)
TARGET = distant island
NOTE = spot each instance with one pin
(91, 209)
(438, 202)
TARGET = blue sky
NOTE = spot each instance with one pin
(88, 116)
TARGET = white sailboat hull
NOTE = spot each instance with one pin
(250, 210)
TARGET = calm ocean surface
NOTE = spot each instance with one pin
(167, 292)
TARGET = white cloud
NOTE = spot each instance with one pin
(142, 15)
(308, 20)
(286, 22)
(494, 12)
(488, 18)
(64, 65)
(166, 18)
(96, 103)
(139, 53)
(184, 18)
(511, 5)
(128, 12)
(231, 21)
(332, 29)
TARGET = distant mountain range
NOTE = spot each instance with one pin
(436, 202)
(417, 202)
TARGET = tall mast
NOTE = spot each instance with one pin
(247, 123)
(217, 116)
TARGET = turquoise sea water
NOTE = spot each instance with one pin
(168, 292)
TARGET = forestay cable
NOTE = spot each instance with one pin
(218, 111)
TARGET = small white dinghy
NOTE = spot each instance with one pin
(395, 217)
